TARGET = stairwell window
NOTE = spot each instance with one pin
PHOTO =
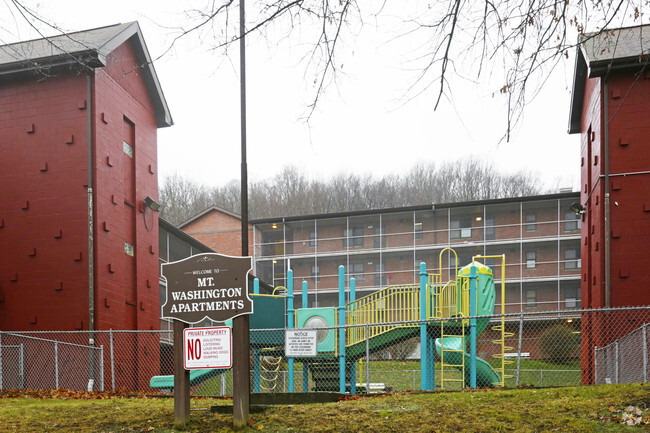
(572, 259)
(531, 221)
(353, 237)
(531, 298)
(315, 273)
(356, 271)
(460, 228)
(313, 239)
(417, 230)
(531, 260)
(571, 221)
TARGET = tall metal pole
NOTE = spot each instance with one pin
(241, 364)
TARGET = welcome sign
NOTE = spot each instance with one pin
(207, 286)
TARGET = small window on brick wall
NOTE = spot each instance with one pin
(531, 260)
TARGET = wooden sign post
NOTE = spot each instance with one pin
(206, 286)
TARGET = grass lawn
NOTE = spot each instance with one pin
(578, 409)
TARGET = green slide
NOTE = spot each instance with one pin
(485, 375)
(196, 377)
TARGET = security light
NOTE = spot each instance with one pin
(151, 204)
(577, 208)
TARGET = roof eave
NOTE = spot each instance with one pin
(163, 115)
(578, 93)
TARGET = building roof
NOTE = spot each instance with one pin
(84, 49)
(600, 53)
(205, 212)
(562, 195)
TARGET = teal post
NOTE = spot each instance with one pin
(472, 327)
(341, 324)
(305, 372)
(353, 365)
(290, 321)
(256, 351)
(424, 340)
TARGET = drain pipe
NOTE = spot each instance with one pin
(91, 237)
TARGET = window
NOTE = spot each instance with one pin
(531, 260)
(572, 258)
(571, 297)
(417, 230)
(356, 271)
(315, 273)
(571, 221)
(461, 229)
(380, 274)
(490, 230)
(353, 237)
(313, 239)
(379, 239)
(128, 149)
(531, 298)
(531, 221)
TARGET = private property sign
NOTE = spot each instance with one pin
(207, 347)
(207, 286)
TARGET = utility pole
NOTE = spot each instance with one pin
(241, 365)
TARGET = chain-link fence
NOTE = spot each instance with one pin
(560, 348)
(626, 360)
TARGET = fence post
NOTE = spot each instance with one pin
(519, 344)
(110, 336)
(290, 322)
(223, 384)
(353, 365)
(341, 324)
(21, 370)
(472, 327)
(541, 378)
(595, 365)
(645, 353)
(56, 365)
(305, 369)
(616, 359)
(256, 351)
(101, 368)
(368, 357)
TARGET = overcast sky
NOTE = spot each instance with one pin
(363, 124)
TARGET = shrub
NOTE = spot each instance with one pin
(558, 344)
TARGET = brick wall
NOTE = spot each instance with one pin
(219, 231)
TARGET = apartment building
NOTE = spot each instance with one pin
(539, 236)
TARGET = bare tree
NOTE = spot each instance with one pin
(291, 193)
(515, 44)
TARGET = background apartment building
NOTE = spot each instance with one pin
(540, 237)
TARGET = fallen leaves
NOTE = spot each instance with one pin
(631, 416)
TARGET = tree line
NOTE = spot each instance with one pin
(292, 193)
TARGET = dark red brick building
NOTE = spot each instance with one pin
(610, 108)
(78, 156)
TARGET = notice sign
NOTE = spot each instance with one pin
(300, 342)
(207, 347)
(212, 286)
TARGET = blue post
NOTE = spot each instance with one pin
(256, 351)
(353, 366)
(290, 321)
(424, 340)
(472, 327)
(341, 309)
(305, 372)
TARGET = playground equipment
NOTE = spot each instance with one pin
(442, 314)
